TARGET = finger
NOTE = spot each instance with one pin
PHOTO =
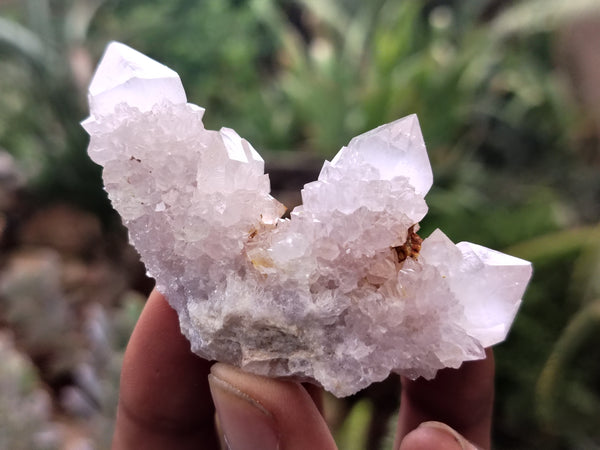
(164, 400)
(316, 394)
(462, 398)
(263, 413)
(435, 435)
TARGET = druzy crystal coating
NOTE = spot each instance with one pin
(334, 295)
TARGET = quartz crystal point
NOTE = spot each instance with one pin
(342, 293)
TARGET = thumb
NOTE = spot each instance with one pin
(435, 435)
(262, 413)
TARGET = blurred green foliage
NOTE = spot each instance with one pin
(501, 124)
(42, 103)
(354, 432)
(25, 408)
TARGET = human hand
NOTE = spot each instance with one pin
(166, 402)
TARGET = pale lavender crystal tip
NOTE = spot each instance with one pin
(125, 75)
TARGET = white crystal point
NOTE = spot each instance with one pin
(488, 284)
(125, 75)
(340, 294)
(396, 149)
(492, 292)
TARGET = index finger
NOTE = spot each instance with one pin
(164, 399)
(461, 398)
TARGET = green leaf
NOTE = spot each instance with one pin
(581, 329)
(20, 41)
(557, 245)
(354, 432)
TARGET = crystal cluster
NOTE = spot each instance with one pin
(342, 293)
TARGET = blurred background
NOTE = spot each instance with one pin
(508, 95)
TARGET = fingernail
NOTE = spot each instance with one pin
(450, 432)
(245, 423)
